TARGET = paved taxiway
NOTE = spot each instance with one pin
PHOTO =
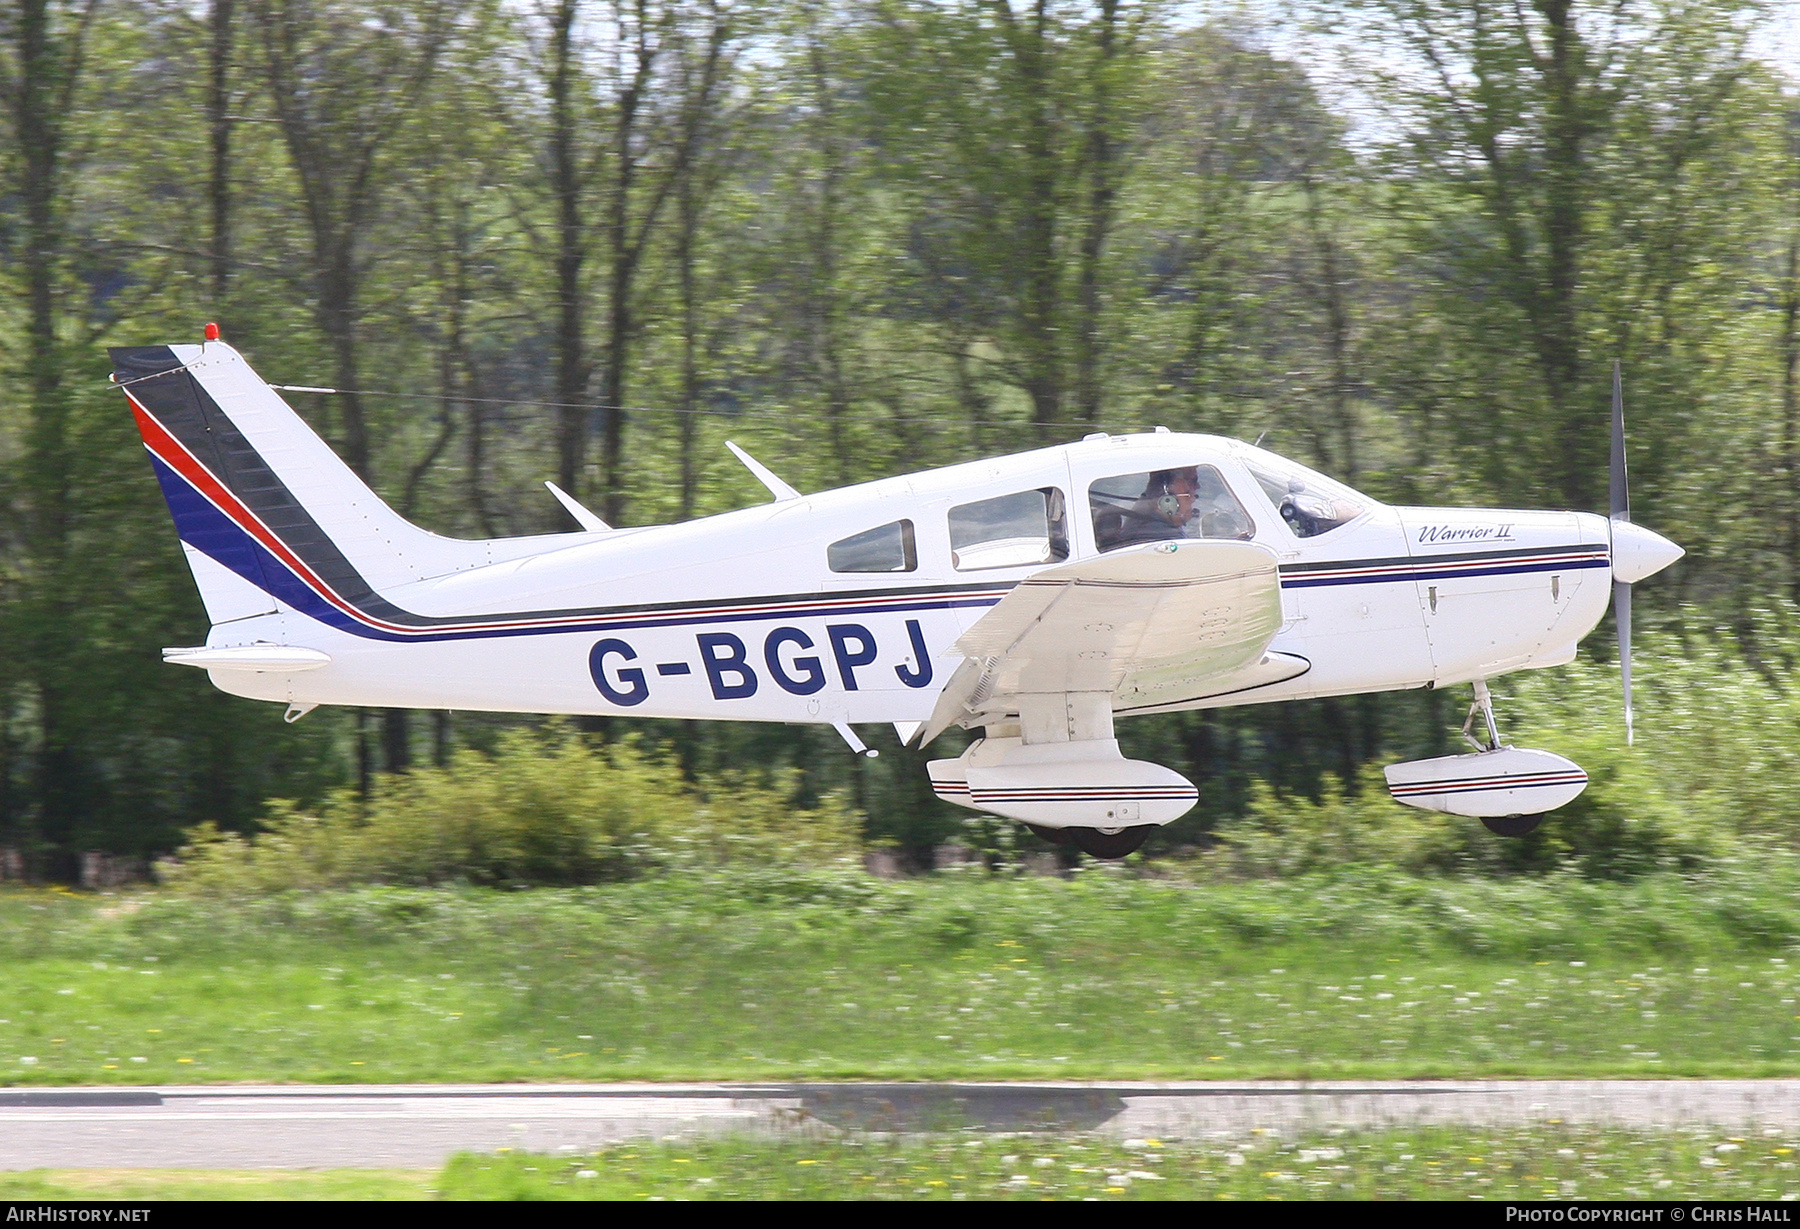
(420, 1125)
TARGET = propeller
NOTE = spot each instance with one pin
(1619, 509)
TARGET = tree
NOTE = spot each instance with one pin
(1520, 135)
(43, 50)
(1006, 125)
(343, 79)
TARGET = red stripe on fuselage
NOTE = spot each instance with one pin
(173, 453)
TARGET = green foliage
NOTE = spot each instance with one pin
(549, 808)
(901, 234)
(1714, 777)
(1625, 824)
(216, 1185)
(1411, 1162)
(766, 972)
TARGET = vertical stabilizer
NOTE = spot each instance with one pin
(266, 511)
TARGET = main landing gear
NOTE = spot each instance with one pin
(1098, 842)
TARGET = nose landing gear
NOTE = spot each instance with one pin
(1507, 788)
(1511, 825)
(1499, 825)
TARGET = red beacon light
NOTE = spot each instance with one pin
(212, 332)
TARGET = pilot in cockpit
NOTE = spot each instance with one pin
(1189, 502)
(1164, 509)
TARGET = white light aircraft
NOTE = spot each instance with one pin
(1037, 597)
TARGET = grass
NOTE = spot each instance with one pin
(825, 976)
(1551, 1161)
(1424, 1163)
(240, 1185)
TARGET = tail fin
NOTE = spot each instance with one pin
(266, 511)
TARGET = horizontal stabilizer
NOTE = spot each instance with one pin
(261, 658)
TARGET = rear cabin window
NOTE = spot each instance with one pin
(1009, 531)
(1187, 502)
(885, 548)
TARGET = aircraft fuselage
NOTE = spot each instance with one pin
(742, 615)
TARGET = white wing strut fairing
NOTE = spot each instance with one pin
(1036, 595)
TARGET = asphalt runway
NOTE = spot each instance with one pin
(418, 1126)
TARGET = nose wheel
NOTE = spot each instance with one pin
(1512, 825)
(1099, 843)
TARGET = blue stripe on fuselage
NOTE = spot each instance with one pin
(204, 527)
(1444, 572)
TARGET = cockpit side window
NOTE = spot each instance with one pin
(1309, 504)
(1009, 531)
(1187, 502)
(885, 548)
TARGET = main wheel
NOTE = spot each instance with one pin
(1056, 836)
(1098, 844)
(1512, 825)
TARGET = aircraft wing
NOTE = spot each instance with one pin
(1155, 625)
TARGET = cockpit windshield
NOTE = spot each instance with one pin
(1310, 503)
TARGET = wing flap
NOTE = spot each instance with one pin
(1152, 625)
